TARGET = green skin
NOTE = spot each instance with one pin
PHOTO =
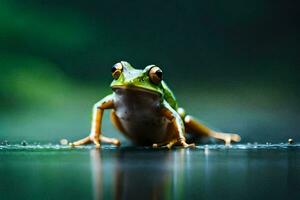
(147, 112)
(132, 77)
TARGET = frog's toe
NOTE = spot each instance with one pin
(226, 137)
(96, 140)
(235, 137)
(83, 141)
(192, 145)
(186, 145)
(154, 145)
(168, 145)
(97, 143)
(231, 138)
(108, 140)
(116, 142)
(157, 145)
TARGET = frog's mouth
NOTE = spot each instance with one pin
(136, 89)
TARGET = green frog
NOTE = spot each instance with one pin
(145, 110)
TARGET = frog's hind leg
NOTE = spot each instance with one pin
(195, 127)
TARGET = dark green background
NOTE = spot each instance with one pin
(232, 64)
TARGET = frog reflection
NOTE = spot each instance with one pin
(131, 175)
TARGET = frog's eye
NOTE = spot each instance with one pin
(155, 74)
(116, 70)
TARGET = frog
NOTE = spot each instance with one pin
(145, 110)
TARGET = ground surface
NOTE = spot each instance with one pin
(250, 171)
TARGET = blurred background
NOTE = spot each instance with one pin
(233, 65)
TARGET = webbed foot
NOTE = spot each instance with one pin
(226, 137)
(179, 142)
(96, 140)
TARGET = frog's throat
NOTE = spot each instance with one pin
(134, 88)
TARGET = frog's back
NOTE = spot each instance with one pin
(139, 114)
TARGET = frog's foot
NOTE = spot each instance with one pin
(160, 145)
(108, 140)
(226, 137)
(96, 141)
(169, 145)
(182, 142)
(194, 126)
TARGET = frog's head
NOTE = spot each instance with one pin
(125, 76)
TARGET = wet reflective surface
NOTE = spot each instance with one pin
(249, 171)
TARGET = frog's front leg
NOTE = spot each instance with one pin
(95, 135)
(177, 125)
(195, 127)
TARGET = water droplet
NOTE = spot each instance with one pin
(5, 142)
(24, 143)
(290, 141)
(63, 141)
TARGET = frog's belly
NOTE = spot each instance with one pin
(139, 114)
